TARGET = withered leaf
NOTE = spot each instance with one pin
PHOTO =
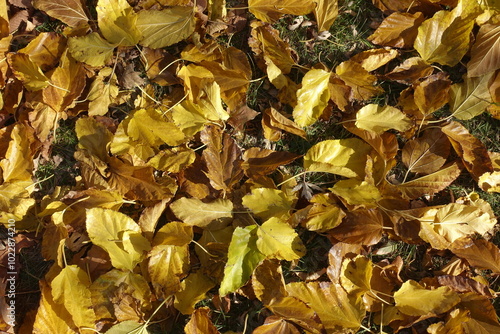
(479, 253)
(410, 71)
(71, 12)
(356, 77)
(223, 159)
(200, 322)
(432, 93)
(271, 10)
(427, 153)
(485, 53)
(471, 97)
(261, 161)
(363, 226)
(274, 122)
(398, 30)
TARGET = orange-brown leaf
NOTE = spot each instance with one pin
(261, 161)
(398, 30)
(480, 253)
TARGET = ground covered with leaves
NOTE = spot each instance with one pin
(270, 166)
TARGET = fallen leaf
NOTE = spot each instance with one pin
(378, 119)
(213, 215)
(356, 77)
(162, 28)
(398, 30)
(274, 122)
(91, 49)
(261, 161)
(118, 22)
(193, 289)
(432, 93)
(485, 52)
(271, 10)
(326, 11)
(324, 214)
(362, 226)
(312, 98)
(266, 203)
(18, 162)
(372, 59)
(167, 266)
(479, 253)
(200, 322)
(410, 71)
(278, 240)
(346, 157)
(276, 325)
(71, 12)
(28, 72)
(471, 97)
(428, 153)
(415, 300)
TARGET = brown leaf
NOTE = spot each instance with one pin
(471, 150)
(427, 153)
(71, 12)
(268, 282)
(356, 77)
(274, 122)
(410, 71)
(200, 322)
(45, 50)
(261, 161)
(485, 53)
(398, 30)
(276, 325)
(430, 184)
(464, 284)
(432, 93)
(298, 312)
(222, 157)
(160, 68)
(479, 253)
(363, 226)
(240, 116)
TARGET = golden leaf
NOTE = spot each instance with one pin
(346, 157)
(70, 288)
(118, 22)
(91, 49)
(18, 162)
(357, 192)
(326, 11)
(119, 235)
(312, 98)
(267, 203)
(174, 233)
(200, 322)
(261, 161)
(378, 119)
(445, 37)
(274, 122)
(161, 28)
(372, 59)
(167, 265)
(271, 10)
(103, 92)
(93, 136)
(193, 289)
(432, 93)
(410, 71)
(362, 226)
(320, 296)
(268, 282)
(278, 240)
(45, 50)
(356, 275)
(415, 300)
(28, 72)
(324, 214)
(480, 253)
(356, 77)
(490, 182)
(298, 312)
(276, 325)
(173, 160)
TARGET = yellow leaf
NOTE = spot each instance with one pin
(103, 92)
(70, 287)
(118, 22)
(93, 136)
(18, 162)
(356, 274)
(490, 182)
(174, 233)
(45, 50)
(346, 157)
(398, 30)
(373, 117)
(52, 317)
(189, 117)
(173, 160)
(70, 12)
(271, 10)
(193, 289)
(356, 77)
(324, 214)
(268, 282)
(326, 12)
(119, 235)
(480, 253)
(214, 215)
(266, 203)
(372, 59)
(279, 241)
(415, 300)
(276, 325)
(28, 72)
(357, 192)
(361, 226)
(298, 312)
(471, 97)
(312, 98)
(91, 49)
(485, 53)
(161, 28)
(167, 265)
(274, 122)
(445, 37)
(321, 296)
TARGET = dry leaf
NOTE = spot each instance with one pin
(326, 12)
(398, 30)
(271, 10)
(378, 119)
(428, 153)
(485, 53)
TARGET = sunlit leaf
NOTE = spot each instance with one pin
(193, 289)
(324, 214)
(271, 10)
(71, 12)
(427, 153)
(326, 12)
(18, 162)
(118, 22)
(356, 275)
(173, 160)
(445, 37)
(356, 192)
(362, 226)
(259, 161)
(28, 72)
(276, 325)
(161, 28)
(268, 282)
(51, 316)
(91, 49)
(103, 92)
(192, 211)
(432, 93)
(485, 53)
(372, 59)
(243, 257)
(413, 299)
(480, 253)
(70, 287)
(471, 97)
(267, 203)
(119, 235)
(346, 157)
(200, 322)
(378, 119)
(312, 98)
(167, 265)
(361, 82)
(278, 240)
(398, 30)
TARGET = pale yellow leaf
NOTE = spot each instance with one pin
(193, 289)
(326, 11)
(346, 157)
(27, 71)
(119, 235)
(357, 192)
(118, 22)
(214, 215)
(485, 53)
(91, 49)
(18, 162)
(161, 28)
(266, 203)
(271, 10)
(375, 118)
(167, 265)
(471, 97)
(279, 240)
